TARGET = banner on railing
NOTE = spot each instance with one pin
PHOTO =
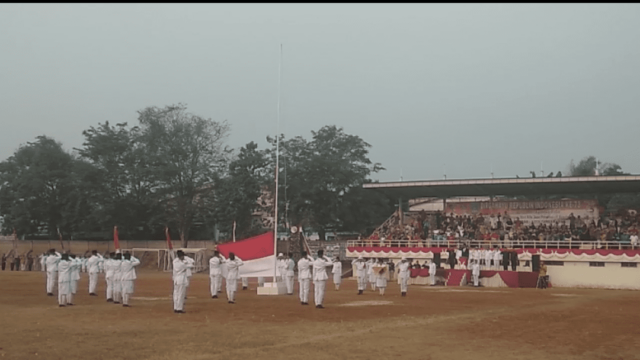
(536, 211)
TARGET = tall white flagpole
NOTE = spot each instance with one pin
(275, 203)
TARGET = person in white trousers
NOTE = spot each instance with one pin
(381, 277)
(128, 271)
(475, 273)
(93, 268)
(371, 277)
(233, 263)
(108, 266)
(51, 263)
(320, 278)
(180, 266)
(488, 258)
(360, 269)
(116, 262)
(245, 283)
(64, 280)
(497, 256)
(215, 273)
(280, 272)
(189, 272)
(336, 270)
(304, 277)
(76, 267)
(404, 273)
(289, 274)
(432, 272)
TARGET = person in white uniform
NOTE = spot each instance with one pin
(432, 272)
(109, 275)
(280, 271)
(404, 273)
(93, 268)
(336, 270)
(381, 277)
(370, 274)
(76, 266)
(304, 277)
(475, 273)
(233, 263)
(458, 256)
(128, 271)
(320, 278)
(189, 272)
(215, 273)
(245, 283)
(180, 266)
(488, 258)
(64, 270)
(289, 274)
(360, 269)
(116, 262)
(51, 264)
(497, 256)
(43, 265)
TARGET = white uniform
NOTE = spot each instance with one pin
(320, 278)
(42, 262)
(381, 279)
(65, 269)
(245, 282)
(337, 273)
(127, 268)
(475, 273)
(488, 256)
(51, 263)
(180, 268)
(109, 268)
(189, 272)
(404, 274)
(117, 280)
(458, 256)
(432, 272)
(215, 274)
(360, 268)
(370, 274)
(76, 266)
(290, 265)
(232, 277)
(281, 269)
(304, 277)
(497, 256)
(93, 267)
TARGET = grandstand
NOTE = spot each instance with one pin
(584, 246)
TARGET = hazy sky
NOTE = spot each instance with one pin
(467, 85)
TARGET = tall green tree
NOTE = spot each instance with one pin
(35, 186)
(589, 165)
(187, 153)
(320, 174)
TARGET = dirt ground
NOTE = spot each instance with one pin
(430, 323)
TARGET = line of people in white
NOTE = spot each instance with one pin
(63, 270)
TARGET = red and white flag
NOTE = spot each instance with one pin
(116, 239)
(255, 252)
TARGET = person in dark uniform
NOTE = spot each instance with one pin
(452, 258)
(514, 260)
(29, 262)
(505, 260)
(17, 261)
(4, 261)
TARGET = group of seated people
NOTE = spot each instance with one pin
(501, 228)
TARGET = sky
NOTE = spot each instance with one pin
(456, 89)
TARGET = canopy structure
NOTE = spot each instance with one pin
(509, 187)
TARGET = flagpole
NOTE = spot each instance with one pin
(275, 204)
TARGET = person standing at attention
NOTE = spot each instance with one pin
(337, 272)
(320, 278)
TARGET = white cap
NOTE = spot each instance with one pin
(404, 258)
(280, 254)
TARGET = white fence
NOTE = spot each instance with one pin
(509, 244)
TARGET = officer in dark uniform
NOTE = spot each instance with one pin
(505, 260)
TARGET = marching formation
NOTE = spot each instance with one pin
(63, 272)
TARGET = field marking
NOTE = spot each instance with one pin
(456, 290)
(368, 303)
(151, 298)
(565, 295)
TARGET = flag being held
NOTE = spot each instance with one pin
(256, 253)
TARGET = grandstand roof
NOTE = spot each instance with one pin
(509, 187)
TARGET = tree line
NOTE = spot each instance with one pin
(175, 169)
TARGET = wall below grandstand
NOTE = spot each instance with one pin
(580, 274)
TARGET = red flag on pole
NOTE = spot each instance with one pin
(166, 233)
(116, 240)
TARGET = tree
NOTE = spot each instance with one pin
(589, 165)
(187, 153)
(35, 187)
(122, 183)
(237, 194)
(320, 175)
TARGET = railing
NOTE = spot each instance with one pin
(508, 244)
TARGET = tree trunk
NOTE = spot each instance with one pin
(183, 238)
(321, 234)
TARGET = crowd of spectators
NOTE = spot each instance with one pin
(503, 228)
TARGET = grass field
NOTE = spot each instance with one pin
(430, 323)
